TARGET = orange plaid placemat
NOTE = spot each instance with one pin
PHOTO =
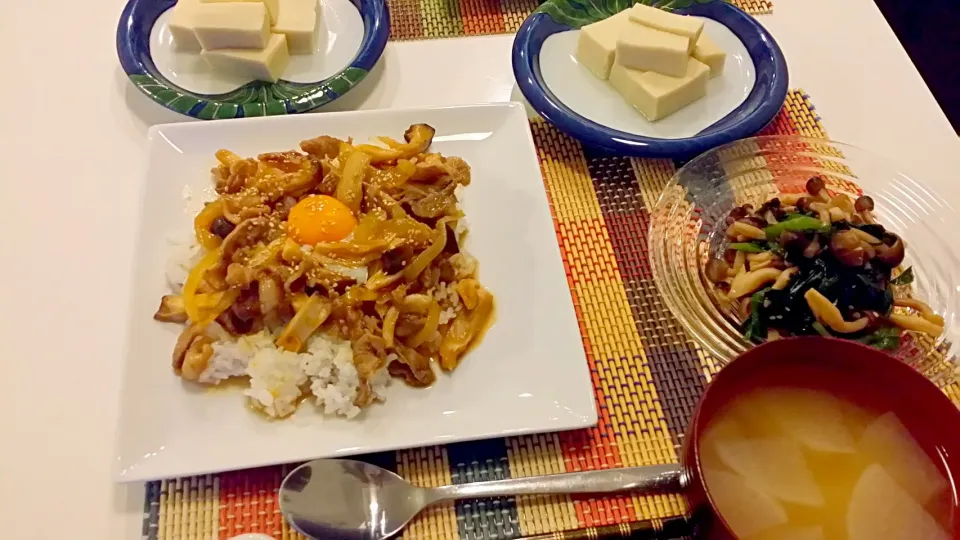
(647, 377)
(429, 19)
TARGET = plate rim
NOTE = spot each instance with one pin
(770, 87)
(133, 49)
(513, 113)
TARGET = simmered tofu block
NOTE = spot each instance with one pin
(232, 25)
(597, 44)
(298, 21)
(273, 6)
(683, 25)
(710, 54)
(265, 64)
(181, 25)
(647, 49)
(657, 95)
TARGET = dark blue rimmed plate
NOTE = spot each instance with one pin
(134, 42)
(758, 107)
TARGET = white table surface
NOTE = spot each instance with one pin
(72, 139)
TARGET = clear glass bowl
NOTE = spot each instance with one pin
(688, 227)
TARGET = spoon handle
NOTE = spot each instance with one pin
(644, 479)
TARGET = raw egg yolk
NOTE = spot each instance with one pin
(320, 218)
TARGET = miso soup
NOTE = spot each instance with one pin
(796, 463)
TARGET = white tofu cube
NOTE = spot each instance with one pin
(668, 22)
(647, 49)
(299, 4)
(711, 54)
(273, 6)
(265, 64)
(656, 95)
(181, 26)
(232, 25)
(597, 44)
(298, 21)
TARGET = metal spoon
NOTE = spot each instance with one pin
(352, 500)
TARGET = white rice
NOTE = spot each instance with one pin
(184, 254)
(464, 264)
(449, 299)
(447, 315)
(334, 381)
(231, 358)
(275, 381)
(278, 378)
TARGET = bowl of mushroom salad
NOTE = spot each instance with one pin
(773, 237)
(817, 263)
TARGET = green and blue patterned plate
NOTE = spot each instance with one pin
(353, 34)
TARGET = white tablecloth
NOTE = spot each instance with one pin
(72, 139)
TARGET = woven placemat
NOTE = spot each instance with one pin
(647, 377)
(429, 19)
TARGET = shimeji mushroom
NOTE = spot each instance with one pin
(923, 308)
(813, 248)
(816, 187)
(739, 261)
(822, 209)
(837, 214)
(847, 247)
(716, 270)
(741, 228)
(762, 260)
(827, 313)
(866, 237)
(891, 250)
(864, 208)
(843, 202)
(748, 282)
(915, 323)
(784, 278)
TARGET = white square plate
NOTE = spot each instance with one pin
(529, 374)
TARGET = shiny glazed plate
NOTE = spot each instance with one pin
(352, 36)
(738, 103)
(528, 375)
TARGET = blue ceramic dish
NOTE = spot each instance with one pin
(761, 105)
(254, 98)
